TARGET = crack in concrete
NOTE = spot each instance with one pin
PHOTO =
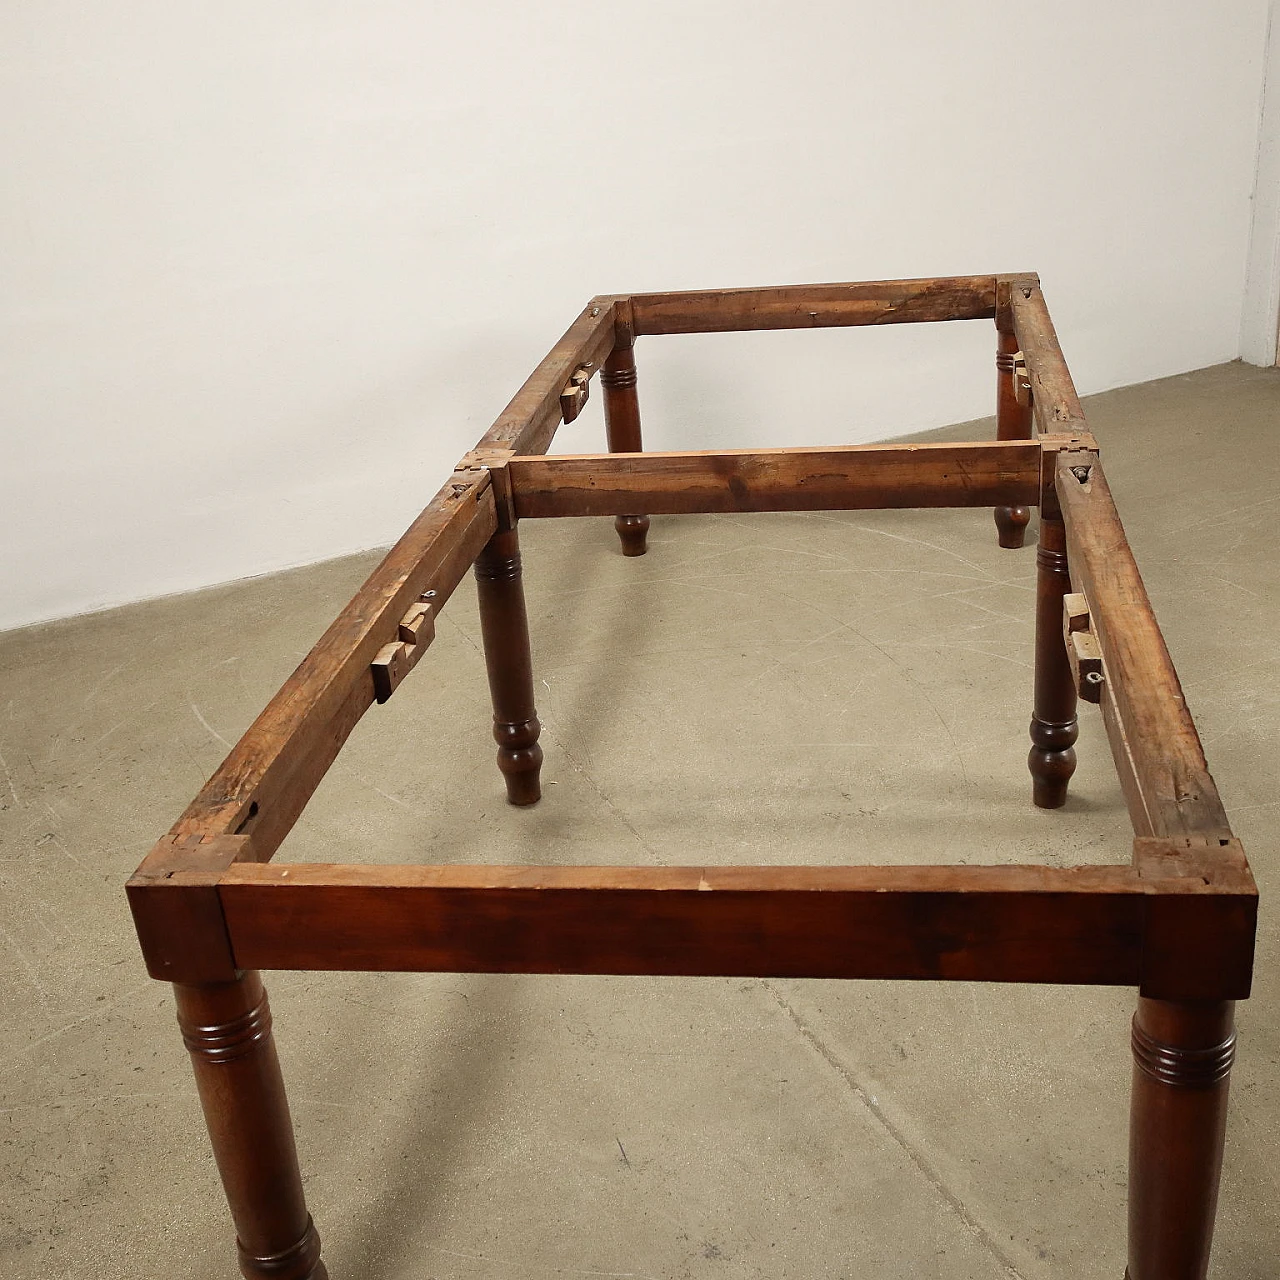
(931, 1175)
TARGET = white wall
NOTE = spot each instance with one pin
(1260, 319)
(270, 268)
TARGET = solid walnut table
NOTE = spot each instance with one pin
(1177, 921)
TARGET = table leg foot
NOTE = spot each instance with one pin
(1182, 1056)
(1011, 526)
(633, 532)
(227, 1030)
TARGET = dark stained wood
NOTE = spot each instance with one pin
(1200, 928)
(1182, 1055)
(1013, 422)
(504, 626)
(173, 896)
(1054, 401)
(1160, 746)
(529, 422)
(622, 428)
(1002, 924)
(843, 478)
(227, 1030)
(815, 306)
(270, 774)
(1054, 729)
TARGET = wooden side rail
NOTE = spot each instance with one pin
(855, 477)
(1054, 402)
(996, 924)
(816, 306)
(265, 782)
(1153, 738)
(529, 422)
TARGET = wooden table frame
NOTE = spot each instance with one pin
(1177, 922)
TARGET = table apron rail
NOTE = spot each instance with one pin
(1088, 925)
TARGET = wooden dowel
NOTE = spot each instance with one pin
(1161, 745)
(816, 306)
(855, 477)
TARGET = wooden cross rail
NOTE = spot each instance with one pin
(1176, 921)
(850, 478)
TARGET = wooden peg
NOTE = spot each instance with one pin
(1021, 380)
(394, 661)
(576, 391)
(417, 627)
(1083, 651)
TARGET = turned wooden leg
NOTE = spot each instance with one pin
(1182, 1056)
(505, 628)
(227, 1029)
(622, 430)
(1013, 422)
(1054, 729)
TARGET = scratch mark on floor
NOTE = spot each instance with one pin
(591, 782)
(8, 777)
(32, 972)
(95, 1013)
(212, 731)
(71, 857)
(524, 1266)
(957, 1206)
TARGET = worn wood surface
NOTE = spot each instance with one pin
(1054, 401)
(263, 784)
(852, 477)
(177, 913)
(529, 421)
(1150, 729)
(1198, 944)
(815, 306)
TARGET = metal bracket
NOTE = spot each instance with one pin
(1083, 652)
(394, 661)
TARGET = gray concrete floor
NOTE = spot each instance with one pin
(780, 688)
